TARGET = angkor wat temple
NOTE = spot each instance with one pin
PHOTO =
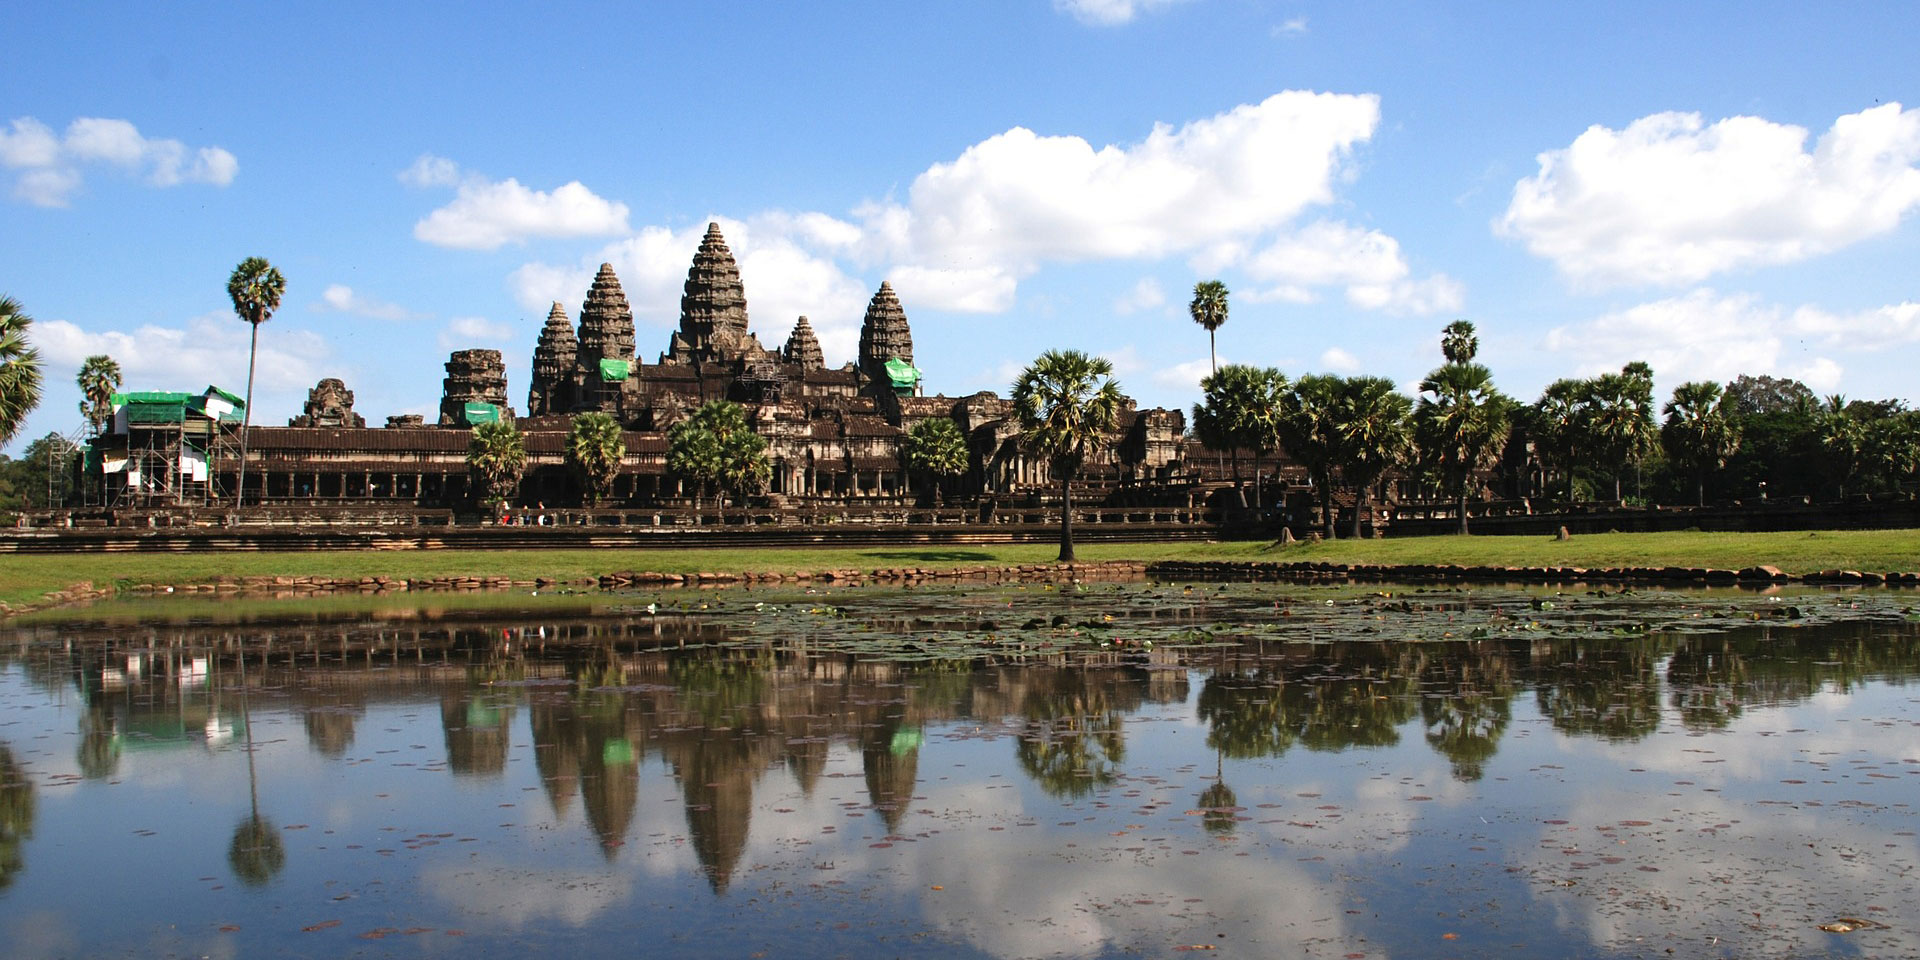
(832, 433)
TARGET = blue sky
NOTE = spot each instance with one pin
(1714, 188)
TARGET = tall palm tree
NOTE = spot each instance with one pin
(99, 377)
(1459, 343)
(1209, 309)
(1699, 435)
(496, 457)
(1373, 431)
(1240, 411)
(595, 447)
(19, 369)
(716, 445)
(1842, 438)
(1309, 432)
(1067, 404)
(1556, 422)
(936, 448)
(1619, 427)
(1460, 426)
(255, 288)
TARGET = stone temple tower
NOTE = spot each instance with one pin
(884, 337)
(803, 348)
(713, 307)
(606, 334)
(551, 391)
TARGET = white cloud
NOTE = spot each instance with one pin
(487, 214)
(1185, 377)
(961, 289)
(342, 299)
(1108, 13)
(431, 171)
(1367, 263)
(1339, 361)
(1670, 200)
(1868, 329)
(1291, 27)
(1701, 335)
(462, 333)
(209, 349)
(1145, 295)
(51, 165)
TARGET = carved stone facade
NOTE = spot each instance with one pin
(473, 376)
(553, 384)
(329, 404)
(606, 333)
(803, 348)
(884, 336)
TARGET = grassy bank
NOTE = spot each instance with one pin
(24, 578)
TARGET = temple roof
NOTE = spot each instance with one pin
(713, 304)
(803, 348)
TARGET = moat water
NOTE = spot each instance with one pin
(1130, 769)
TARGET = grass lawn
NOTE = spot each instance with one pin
(24, 578)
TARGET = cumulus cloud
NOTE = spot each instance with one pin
(487, 214)
(50, 164)
(1145, 295)
(1367, 263)
(1701, 335)
(1109, 13)
(461, 333)
(342, 299)
(1339, 361)
(967, 231)
(1672, 200)
(208, 349)
(1873, 329)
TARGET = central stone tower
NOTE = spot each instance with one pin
(713, 308)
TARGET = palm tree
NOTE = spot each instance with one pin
(595, 447)
(1699, 434)
(1241, 411)
(99, 377)
(1893, 447)
(1066, 403)
(1619, 426)
(1373, 433)
(1460, 426)
(1843, 438)
(256, 852)
(1556, 422)
(255, 289)
(1209, 309)
(496, 457)
(1309, 431)
(19, 369)
(1459, 343)
(716, 445)
(936, 448)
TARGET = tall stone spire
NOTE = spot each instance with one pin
(884, 336)
(606, 333)
(713, 305)
(803, 348)
(552, 388)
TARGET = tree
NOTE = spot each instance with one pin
(48, 472)
(1066, 403)
(1555, 420)
(1372, 433)
(1459, 343)
(1460, 426)
(935, 448)
(595, 447)
(1618, 420)
(99, 377)
(1748, 395)
(1209, 309)
(1699, 435)
(1240, 411)
(1309, 431)
(496, 457)
(1843, 438)
(19, 370)
(255, 288)
(716, 446)
(1893, 448)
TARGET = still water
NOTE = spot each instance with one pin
(1120, 770)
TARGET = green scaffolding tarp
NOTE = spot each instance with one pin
(614, 371)
(155, 411)
(479, 413)
(902, 373)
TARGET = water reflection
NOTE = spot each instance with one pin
(599, 724)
